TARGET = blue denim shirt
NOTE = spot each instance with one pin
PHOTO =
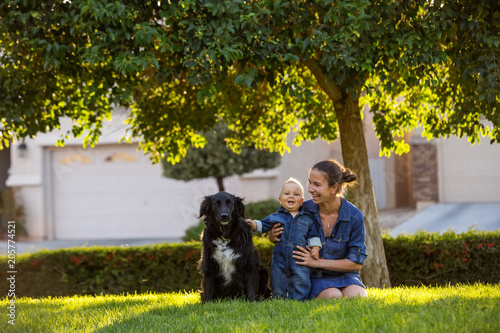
(299, 230)
(347, 240)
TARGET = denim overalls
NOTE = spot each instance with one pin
(289, 280)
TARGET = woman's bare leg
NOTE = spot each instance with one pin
(354, 291)
(330, 293)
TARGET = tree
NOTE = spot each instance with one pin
(181, 65)
(217, 160)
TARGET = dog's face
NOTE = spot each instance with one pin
(222, 207)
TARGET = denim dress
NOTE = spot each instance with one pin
(289, 280)
(347, 241)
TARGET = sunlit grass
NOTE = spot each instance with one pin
(464, 308)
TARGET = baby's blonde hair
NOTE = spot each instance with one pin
(294, 181)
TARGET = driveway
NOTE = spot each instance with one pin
(457, 217)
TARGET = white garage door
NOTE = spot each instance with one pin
(469, 173)
(113, 192)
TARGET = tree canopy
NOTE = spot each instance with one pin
(219, 161)
(264, 67)
(78, 58)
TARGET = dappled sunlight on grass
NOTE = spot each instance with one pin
(419, 309)
(172, 299)
(95, 312)
(425, 294)
(410, 309)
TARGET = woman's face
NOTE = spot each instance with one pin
(318, 187)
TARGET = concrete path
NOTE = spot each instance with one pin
(456, 217)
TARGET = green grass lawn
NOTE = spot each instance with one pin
(464, 308)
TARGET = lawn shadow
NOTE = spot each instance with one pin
(186, 317)
(451, 313)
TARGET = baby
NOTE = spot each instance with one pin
(289, 280)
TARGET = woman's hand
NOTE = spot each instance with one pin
(275, 233)
(304, 257)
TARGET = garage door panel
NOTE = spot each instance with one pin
(109, 227)
(487, 190)
(113, 192)
(483, 165)
(107, 203)
(469, 173)
(457, 168)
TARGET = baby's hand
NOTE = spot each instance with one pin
(252, 224)
(315, 252)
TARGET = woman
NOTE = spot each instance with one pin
(342, 232)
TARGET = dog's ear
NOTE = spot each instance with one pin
(240, 207)
(205, 206)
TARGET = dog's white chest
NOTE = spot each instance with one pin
(225, 257)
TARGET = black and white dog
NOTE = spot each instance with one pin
(230, 264)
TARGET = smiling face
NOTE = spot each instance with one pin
(291, 196)
(318, 187)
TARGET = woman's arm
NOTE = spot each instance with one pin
(338, 265)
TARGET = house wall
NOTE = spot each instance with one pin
(63, 196)
(26, 177)
(264, 185)
(403, 176)
(4, 166)
(424, 176)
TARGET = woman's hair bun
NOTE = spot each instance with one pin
(348, 176)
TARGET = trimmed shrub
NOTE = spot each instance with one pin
(111, 270)
(108, 270)
(440, 259)
(422, 258)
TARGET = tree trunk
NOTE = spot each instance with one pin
(220, 183)
(355, 157)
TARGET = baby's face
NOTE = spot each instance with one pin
(291, 197)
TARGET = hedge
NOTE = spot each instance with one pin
(422, 258)
(441, 259)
